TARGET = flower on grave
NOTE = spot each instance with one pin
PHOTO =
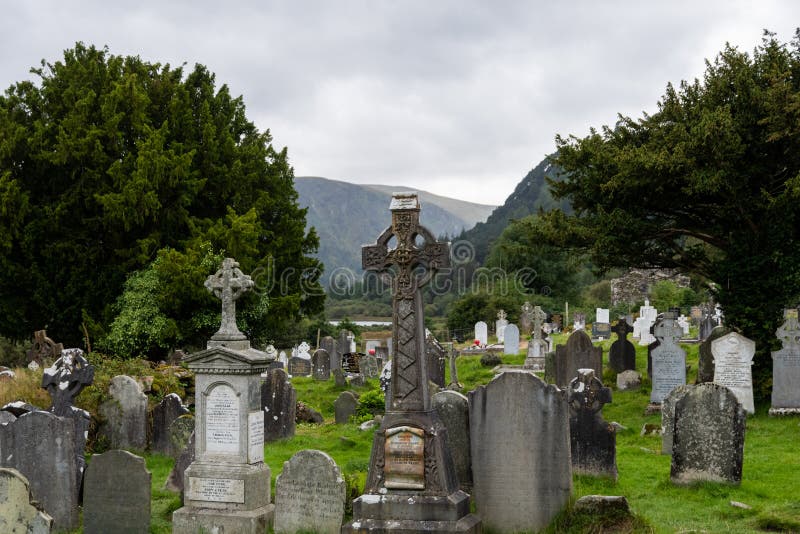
(477, 342)
(372, 352)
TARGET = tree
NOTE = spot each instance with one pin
(109, 162)
(709, 184)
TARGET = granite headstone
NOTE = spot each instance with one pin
(733, 359)
(593, 441)
(125, 415)
(279, 402)
(116, 494)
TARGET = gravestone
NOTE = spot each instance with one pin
(453, 410)
(382, 353)
(708, 439)
(328, 344)
(622, 355)
(368, 365)
(175, 479)
(279, 402)
(18, 511)
(351, 363)
(411, 481)
(116, 494)
(526, 319)
(601, 327)
(345, 407)
(303, 351)
(342, 348)
(593, 441)
(578, 353)
(454, 384)
(705, 360)
(227, 487)
(386, 384)
(668, 417)
(310, 494)
(436, 355)
(647, 317)
(786, 367)
(707, 324)
(43, 351)
(321, 364)
(683, 321)
(669, 360)
(482, 332)
(537, 347)
(41, 446)
(299, 366)
(500, 326)
(164, 414)
(125, 415)
(578, 321)
(7, 417)
(511, 342)
(519, 435)
(180, 431)
(338, 378)
(629, 380)
(601, 316)
(733, 359)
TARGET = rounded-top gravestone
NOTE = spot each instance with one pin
(18, 515)
(116, 494)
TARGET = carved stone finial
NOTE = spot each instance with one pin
(228, 284)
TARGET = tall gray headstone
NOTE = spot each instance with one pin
(164, 414)
(705, 360)
(593, 441)
(668, 417)
(537, 347)
(279, 402)
(733, 359)
(578, 353)
(18, 513)
(125, 415)
(622, 355)
(669, 359)
(328, 344)
(511, 339)
(321, 364)
(500, 326)
(116, 494)
(482, 332)
(521, 466)
(310, 494)
(345, 407)
(435, 353)
(453, 410)
(708, 440)
(786, 367)
(526, 319)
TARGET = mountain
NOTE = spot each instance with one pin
(531, 194)
(347, 216)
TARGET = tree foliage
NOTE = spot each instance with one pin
(709, 184)
(109, 162)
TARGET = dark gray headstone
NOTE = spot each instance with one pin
(622, 355)
(41, 446)
(321, 364)
(368, 365)
(593, 441)
(185, 458)
(338, 378)
(345, 407)
(521, 467)
(125, 415)
(180, 431)
(167, 411)
(18, 512)
(342, 348)
(299, 366)
(705, 362)
(668, 417)
(328, 344)
(578, 353)
(453, 410)
(279, 402)
(436, 357)
(116, 494)
(708, 440)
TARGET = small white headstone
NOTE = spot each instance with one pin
(733, 357)
(601, 315)
(482, 332)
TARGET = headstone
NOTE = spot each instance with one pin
(705, 360)
(310, 494)
(526, 319)
(454, 384)
(708, 440)
(164, 414)
(342, 348)
(116, 494)
(18, 511)
(593, 441)
(511, 343)
(125, 415)
(338, 378)
(578, 321)
(227, 487)
(303, 351)
(521, 467)
(180, 431)
(647, 317)
(683, 321)
(436, 355)
(43, 448)
(175, 480)
(351, 363)
(707, 324)
(345, 407)
(299, 366)
(328, 344)
(7, 417)
(411, 480)
(629, 380)
(669, 360)
(786, 367)
(733, 358)
(622, 355)
(44, 349)
(601, 316)
(386, 384)
(453, 410)
(368, 365)
(321, 364)
(482, 332)
(537, 347)
(668, 417)
(500, 326)
(578, 353)
(279, 402)
(382, 353)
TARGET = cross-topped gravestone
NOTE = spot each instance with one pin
(44, 349)
(786, 367)
(525, 318)
(537, 347)
(228, 284)
(593, 440)
(669, 360)
(411, 479)
(622, 356)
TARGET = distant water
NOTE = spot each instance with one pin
(365, 323)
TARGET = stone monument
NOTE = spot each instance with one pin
(481, 332)
(786, 367)
(622, 355)
(669, 360)
(412, 484)
(537, 347)
(733, 359)
(593, 441)
(18, 510)
(227, 487)
(500, 326)
(44, 350)
(525, 319)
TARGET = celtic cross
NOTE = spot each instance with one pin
(538, 318)
(228, 284)
(622, 329)
(408, 267)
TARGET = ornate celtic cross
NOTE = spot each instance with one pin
(228, 284)
(539, 317)
(408, 267)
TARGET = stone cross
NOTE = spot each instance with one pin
(415, 260)
(539, 317)
(43, 348)
(501, 315)
(454, 384)
(622, 329)
(68, 376)
(228, 284)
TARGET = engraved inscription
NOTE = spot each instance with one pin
(323, 499)
(255, 433)
(669, 371)
(405, 458)
(222, 420)
(216, 489)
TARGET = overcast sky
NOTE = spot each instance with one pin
(459, 98)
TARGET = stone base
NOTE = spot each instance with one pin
(534, 363)
(781, 412)
(652, 409)
(400, 513)
(189, 520)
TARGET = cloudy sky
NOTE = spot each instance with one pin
(460, 98)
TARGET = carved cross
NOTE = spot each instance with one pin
(539, 316)
(789, 331)
(228, 284)
(586, 392)
(667, 331)
(408, 267)
(68, 376)
(501, 315)
(622, 329)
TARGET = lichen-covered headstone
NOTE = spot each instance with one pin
(453, 410)
(18, 513)
(180, 431)
(345, 407)
(668, 417)
(164, 414)
(116, 494)
(578, 353)
(125, 415)
(321, 364)
(279, 402)
(593, 441)
(175, 481)
(669, 359)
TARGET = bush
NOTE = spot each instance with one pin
(370, 404)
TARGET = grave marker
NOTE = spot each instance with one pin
(453, 410)
(345, 407)
(125, 415)
(321, 364)
(786, 367)
(481, 332)
(116, 494)
(537, 347)
(164, 414)
(622, 355)
(279, 402)
(733, 358)
(593, 441)
(578, 353)
(18, 513)
(511, 343)
(669, 360)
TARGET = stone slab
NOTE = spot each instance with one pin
(116, 494)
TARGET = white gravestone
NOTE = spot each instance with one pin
(733, 358)
(482, 332)
(500, 326)
(601, 315)
(511, 343)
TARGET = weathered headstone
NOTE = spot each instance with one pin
(7, 417)
(43, 446)
(733, 359)
(435, 354)
(321, 364)
(578, 353)
(227, 487)
(328, 344)
(299, 366)
(622, 355)
(342, 348)
(537, 347)
(116, 494)
(705, 360)
(454, 384)
(707, 324)
(338, 377)
(279, 402)
(303, 351)
(309, 495)
(125, 415)
(786, 367)
(345, 407)
(453, 410)
(180, 431)
(629, 380)
(708, 439)
(526, 319)
(411, 480)
(669, 360)
(43, 351)
(521, 467)
(482, 332)
(18, 513)
(500, 326)
(351, 363)
(668, 417)
(511, 340)
(593, 441)
(175, 480)
(164, 414)
(368, 365)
